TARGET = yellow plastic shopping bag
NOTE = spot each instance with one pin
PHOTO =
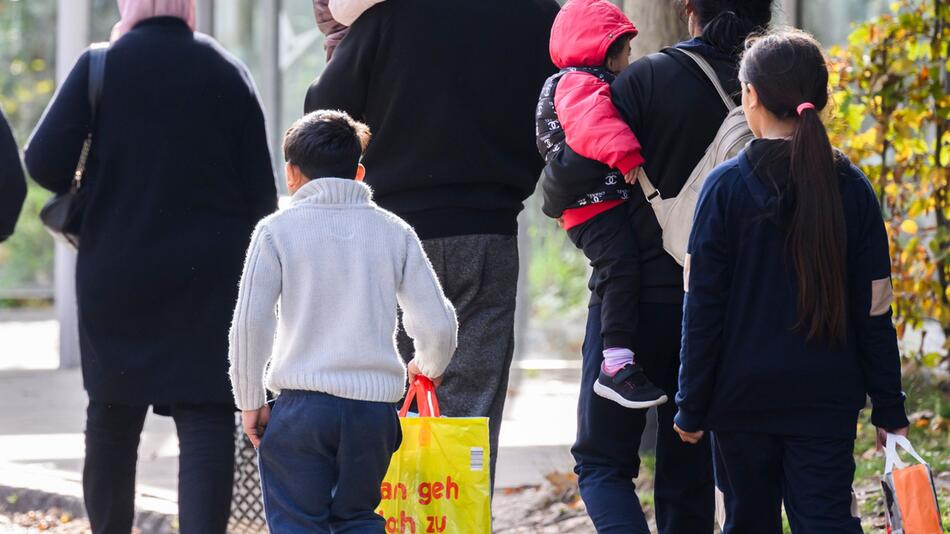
(438, 480)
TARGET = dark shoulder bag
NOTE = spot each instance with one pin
(62, 214)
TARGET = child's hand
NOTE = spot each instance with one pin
(254, 422)
(882, 436)
(413, 368)
(560, 222)
(689, 437)
(631, 177)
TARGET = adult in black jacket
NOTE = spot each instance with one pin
(180, 175)
(675, 112)
(12, 182)
(449, 90)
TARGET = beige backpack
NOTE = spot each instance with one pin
(675, 215)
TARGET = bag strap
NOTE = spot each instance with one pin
(649, 190)
(97, 73)
(423, 392)
(713, 77)
(892, 459)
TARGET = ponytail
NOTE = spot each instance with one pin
(790, 75)
(817, 235)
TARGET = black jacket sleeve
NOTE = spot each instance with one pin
(344, 84)
(52, 152)
(260, 187)
(566, 178)
(870, 311)
(12, 182)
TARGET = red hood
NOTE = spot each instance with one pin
(584, 30)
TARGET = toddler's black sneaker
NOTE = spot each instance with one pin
(629, 388)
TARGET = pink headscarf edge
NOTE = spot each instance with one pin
(133, 12)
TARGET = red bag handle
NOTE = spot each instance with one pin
(423, 392)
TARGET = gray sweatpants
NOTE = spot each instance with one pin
(479, 274)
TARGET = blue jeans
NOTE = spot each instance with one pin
(322, 460)
(608, 439)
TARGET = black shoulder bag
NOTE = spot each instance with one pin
(62, 214)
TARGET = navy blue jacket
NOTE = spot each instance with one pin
(745, 367)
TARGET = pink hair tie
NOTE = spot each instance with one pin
(805, 105)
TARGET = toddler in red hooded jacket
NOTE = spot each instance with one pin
(590, 43)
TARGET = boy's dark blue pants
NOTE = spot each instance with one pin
(322, 460)
(608, 439)
(813, 476)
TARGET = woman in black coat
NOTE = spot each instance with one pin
(179, 175)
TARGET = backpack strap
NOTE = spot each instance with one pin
(713, 77)
(649, 190)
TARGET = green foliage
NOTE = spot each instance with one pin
(27, 44)
(27, 32)
(26, 260)
(557, 272)
(890, 85)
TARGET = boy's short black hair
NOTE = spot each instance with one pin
(326, 144)
(618, 46)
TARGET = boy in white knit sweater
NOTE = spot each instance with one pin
(336, 266)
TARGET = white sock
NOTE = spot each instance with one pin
(615, 359)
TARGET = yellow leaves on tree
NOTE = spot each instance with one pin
(892, 117)
(909, 226)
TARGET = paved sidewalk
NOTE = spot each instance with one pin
(44, 410)
(41, 426)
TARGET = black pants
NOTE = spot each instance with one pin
(609, 243)
(608, 439)
(205, 466)
(813, 476)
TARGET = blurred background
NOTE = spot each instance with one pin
(279, 42)
(890, 89)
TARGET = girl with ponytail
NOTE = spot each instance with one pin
(787, 325)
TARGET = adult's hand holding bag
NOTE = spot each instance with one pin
(910, 496)
(62, 214)
(438, 480)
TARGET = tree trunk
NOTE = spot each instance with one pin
(660, 24)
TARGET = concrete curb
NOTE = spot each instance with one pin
(26, 488)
